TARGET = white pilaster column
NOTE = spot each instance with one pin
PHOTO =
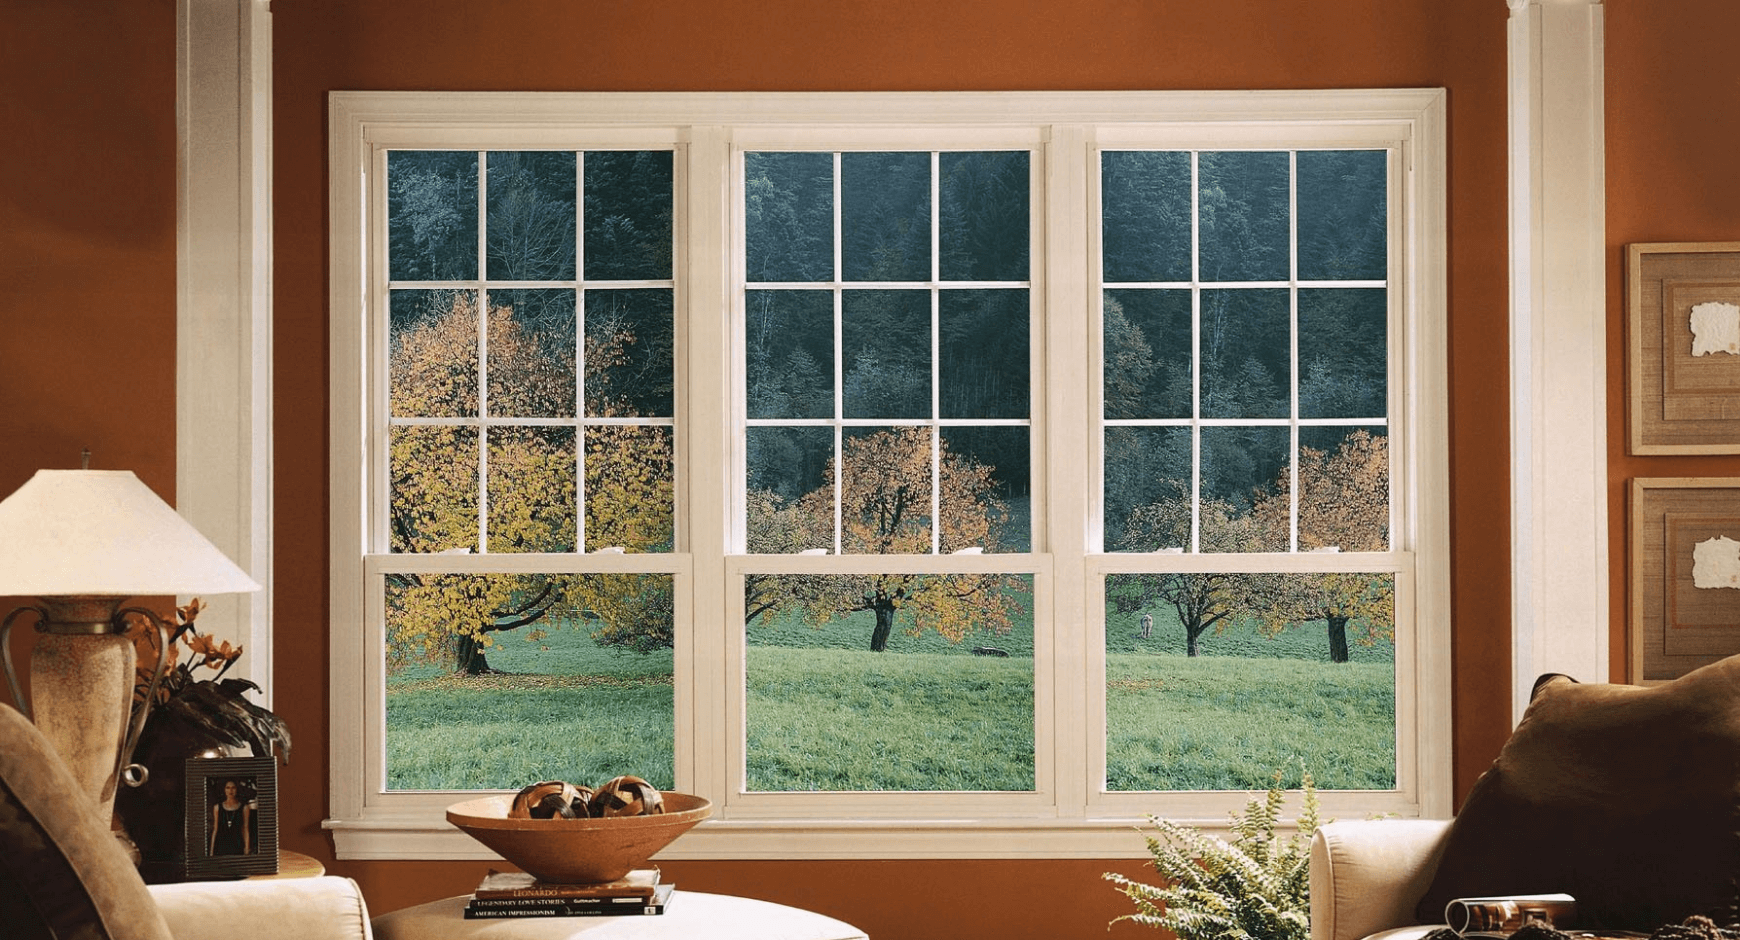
(223, 363)
(1560, 572)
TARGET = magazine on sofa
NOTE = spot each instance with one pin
(1502, 915)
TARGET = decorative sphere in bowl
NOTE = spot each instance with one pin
(577, 851)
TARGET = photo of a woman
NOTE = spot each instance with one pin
(232, 822)
(231, 813)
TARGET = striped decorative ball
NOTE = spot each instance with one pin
(627, 796)
(581, 802)
(547, 799)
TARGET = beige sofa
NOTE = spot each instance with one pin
(1623, 797)
(63, 874)
(1367, 876)
(324, 908)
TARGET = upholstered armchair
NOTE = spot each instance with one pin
(64, 875)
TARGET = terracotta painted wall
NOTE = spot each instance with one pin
(87, 242)
(87, 269)
(1673, 121)
(326, 45)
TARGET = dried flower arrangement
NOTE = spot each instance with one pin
(190, 717)
(211, 708)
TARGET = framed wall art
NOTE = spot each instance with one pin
(232, 816)
(1684, 549)
(1683, 306)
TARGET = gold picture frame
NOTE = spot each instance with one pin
(1684, 580)
(1683, 306)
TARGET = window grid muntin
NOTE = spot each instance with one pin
(1293, 284)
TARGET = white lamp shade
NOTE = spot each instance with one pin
(104, 533)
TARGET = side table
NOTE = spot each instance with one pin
(294, 865)
(690, 915)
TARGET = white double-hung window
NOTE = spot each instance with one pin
(928, 474)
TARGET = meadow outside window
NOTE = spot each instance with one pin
(898, 471)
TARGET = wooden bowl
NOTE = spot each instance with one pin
(577, 851)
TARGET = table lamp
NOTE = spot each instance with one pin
(82, 542)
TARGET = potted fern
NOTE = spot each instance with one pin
(1255, 887)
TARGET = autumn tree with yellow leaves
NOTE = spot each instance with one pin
(885, 508)
(1343, 505)
(531, 481)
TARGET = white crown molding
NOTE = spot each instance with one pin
(1560, 574)
(223, 410)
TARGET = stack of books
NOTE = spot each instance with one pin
(517, 894)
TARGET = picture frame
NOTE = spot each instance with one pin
(1683, 318)
(1684, 579)
(232, 834)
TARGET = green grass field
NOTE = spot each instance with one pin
(855, 720)
(1245, 708)
(824, 713)
(566, 709)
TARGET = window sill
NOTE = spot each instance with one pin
(413, 837)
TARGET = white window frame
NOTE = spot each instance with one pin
(1064, 816)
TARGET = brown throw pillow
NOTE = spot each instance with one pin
(1625, 797)
(60, 865)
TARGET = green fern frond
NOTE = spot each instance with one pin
(1254, 887)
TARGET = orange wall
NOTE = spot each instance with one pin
(87, 270)
(87, 242)
(1673, 125)
(325, 45)
(87, 239)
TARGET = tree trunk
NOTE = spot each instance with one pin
(1337, 639)
(884, 627)
(1191, 632)
(469, 658)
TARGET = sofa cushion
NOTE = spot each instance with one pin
(1625, 797)
(64, 873)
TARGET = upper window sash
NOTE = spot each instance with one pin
(939, 143)
(1401, 309)
(485, 277)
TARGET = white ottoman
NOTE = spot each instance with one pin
(690, 915)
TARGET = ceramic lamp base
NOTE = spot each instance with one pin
(81, 695)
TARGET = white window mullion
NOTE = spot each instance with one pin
(1074, 731)
(710, 604)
